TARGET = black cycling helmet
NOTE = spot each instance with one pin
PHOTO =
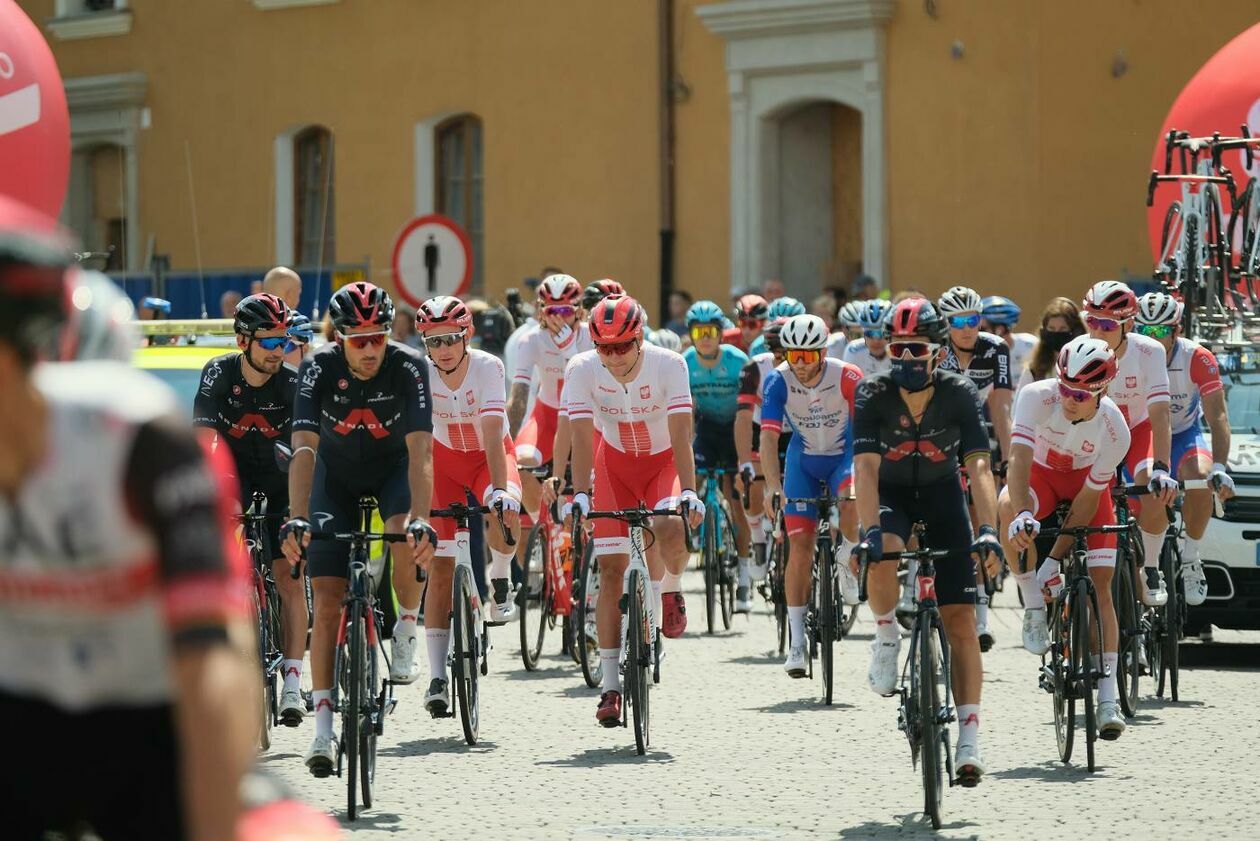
(915, 318)
(34, 256)
(358, 304)
(772, 335)
(260, 312)
(598, 291)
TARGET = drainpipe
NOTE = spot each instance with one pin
(665, 30)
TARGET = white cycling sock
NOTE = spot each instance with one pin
(501, 563)
(610, 670)
(886, 629)
(671, 583)
(1030, 590)
(292, 672)
(1152, 543)
(437, 640)
(1190, 552)
(796, 625)
(1107, 685)
(322, 699)
(407, 618)
(982, 610)
(969, 724)
(657, 608)
(745, 574)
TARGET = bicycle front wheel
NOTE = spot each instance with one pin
(352, 705)
(1129, 666)
(467, 639)
(264, 657)
(712, 564)
(826, 630)
(1174, 621)
(369, 718)
(1063, 681)
(587, 643)
(638, 658)
(1084, 613)
(534, 606)
(778, 595)
(730, 566)
(932, 747)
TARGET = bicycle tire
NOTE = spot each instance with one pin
(368, 728)
(534, 591)
(638, 660)
(261, 623)
(467, 652)
(1128, 666)
(352, 707)
(825, 630)
(730, 566)
(931, 758)
(1217, 248)
(1085, 607)
(1174, 622)
(778, 595)
(588, 649)
(1063, 686)
(711, 562)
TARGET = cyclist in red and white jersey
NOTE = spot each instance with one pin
(748, 438)
(471, 452)
(1068, 440)
(1196, 393)
(638, 396)
(1140, 389)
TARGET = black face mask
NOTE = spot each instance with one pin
(1055, 339)
(911, 374)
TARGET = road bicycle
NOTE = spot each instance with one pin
(546, 595)
(266, 599)
(720, 558)
(774, 588)
(825, 613)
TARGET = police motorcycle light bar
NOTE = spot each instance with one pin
(186, 327)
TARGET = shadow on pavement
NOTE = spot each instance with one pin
(1220, 655)
(579, 690)
(914, 825)
(770, 658)
(424, 747)
(1154, 703)
(597, 757)
(379, 821)
(1050, 772)
(798, 705)
(540, 674)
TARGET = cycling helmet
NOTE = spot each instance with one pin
(358, 304)
(915, 318)
(773, 334)
(784, 308)
(663, 338)
(996, 309)
(616, 319)
(959, 299)
(443, 311)
(34, 256)
(851, 313)
(804, 332)
(260, 312)
(598, 291)
(300, 329)
(873, 315)
(99, 321)
(1158, 308)
(705, 312)
(1086, 363)
(751, 306)
(1110, 299)
(560, 289)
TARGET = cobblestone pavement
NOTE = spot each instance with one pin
(741, 751)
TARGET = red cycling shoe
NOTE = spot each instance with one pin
(674, 622)
(609, 712)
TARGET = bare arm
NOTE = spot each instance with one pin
(516, 406)
(1018, 474)
(560, 447)
(583, 434)
(420, 472)
(983, 490)
(302, 473)
(743, 435)
(770, 462)
(999, 403)
(1161, 430)
(680, 436)
(1217, 415)
(866, 482)
(496, 458)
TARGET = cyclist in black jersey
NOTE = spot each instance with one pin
(362, 424)
(913, 428)
(246, 401)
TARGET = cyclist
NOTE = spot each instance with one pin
(245, 401)
(779, 311)
(123, 627)
(913, 428)
(986, 360)
(1196, 394)
(713, 371)
(362, 424)
(848, 328)
(748, 436)
(637, 396)
(814, 394)
(471, 452)
(751, 313)
(1140, 389)
(870, 353)
(598, 290)
(1068, 440)
(300, 332)
(667, 339)
(999, 315)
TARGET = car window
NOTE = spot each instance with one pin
(1242, 397)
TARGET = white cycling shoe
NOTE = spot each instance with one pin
(402, 661)
(1110, 720)
(882, 675)
(968, 766)
(322, 756)
(1151, 589)
(292, 707)
(437, 699)
(795, 664)
(1036, 632)
(848, 582)
(1195, 583)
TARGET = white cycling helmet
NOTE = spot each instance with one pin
(804, 332)
(663, 338)
(1158, 308)
(1086, 363)
(851, 314)
(99, 322)
(957, 300)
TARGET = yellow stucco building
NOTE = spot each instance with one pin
(998, 143)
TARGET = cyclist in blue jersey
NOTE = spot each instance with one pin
(714, 370)
(780, 310)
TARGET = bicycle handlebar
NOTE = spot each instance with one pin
(639, 517)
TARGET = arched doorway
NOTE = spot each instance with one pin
(96, 203)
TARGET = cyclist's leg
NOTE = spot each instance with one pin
(501, 553)
(1152, 518)
(896, 508)
(612, 547)
(801, 524)
(448, 488)
(533, 447)
(1191, 459)
(668, 556)
(752, 516)
(1101, 561)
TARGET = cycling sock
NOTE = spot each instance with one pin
(1152, 543)
(658, 609)
(886, 629)
(1190, 552)
(438, 641)
(745, 574)
(292, 671)
(969, 724)
(610, 677)
(322, 699)
(501, 564)
(1107, 685)
(796, 625)
(671, 583)
(406, 624)
(982, 611)
(1030, 590)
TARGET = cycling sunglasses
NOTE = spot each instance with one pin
(561, 310)
(1093, 322)
(272, 342)
(797, 356)
(912, 350)
(444, 340)
(874, 334)
(752, 322)
(959, 322)
(618, 349)
(705, 331)
(361, 340)
(1155, 331)
(1080, 395)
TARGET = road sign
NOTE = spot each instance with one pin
(432, 256)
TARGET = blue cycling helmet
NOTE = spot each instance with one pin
(998, 310)
(872, 315)
(299, 328)
(784, 308)
(705, 312)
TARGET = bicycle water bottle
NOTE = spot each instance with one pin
(564, 587)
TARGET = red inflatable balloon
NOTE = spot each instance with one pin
(34, 120)
(1222, 96)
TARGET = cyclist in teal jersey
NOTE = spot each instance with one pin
(780, 309)
(714, 370)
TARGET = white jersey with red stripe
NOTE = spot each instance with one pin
(1099, 443)
(632, 417)
(457, 412)
(1192, 375)
(549, 355)
(1141, 378)
(765, 364)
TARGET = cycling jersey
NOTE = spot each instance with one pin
(949, 434)
(1192, 375)
(856, 353)
(1141, 378)
(715, 389)
(539, 349)
(363, 424)
(750, 379)
(1021, 348)
(758, 346)
(819, 415)
(1062, 445)
(990, 365)
(837, 343)
(632, 417)
(250, 420)
(457, 412)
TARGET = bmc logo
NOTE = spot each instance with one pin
(365, 418)
(248, 422)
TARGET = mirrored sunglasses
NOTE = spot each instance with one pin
(796, 356)
(705, 331)
(1080, 395)
(911, 350)
(959, 322)
(1093, 322)
(752, 322)
(272, 342)
(444, 340)
(618, 349)
(874, 334)
(560, 310)
(1155, 331)
(361, 340)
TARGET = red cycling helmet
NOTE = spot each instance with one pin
(751, 307)
(1111, 299)
(616, 319)
(443, 311)
(560, 290)
(915, 318)
(1086, 363)
(358, 304)
(260, 312)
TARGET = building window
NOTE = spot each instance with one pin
(314, 202)
(90, 18)
(459, 182)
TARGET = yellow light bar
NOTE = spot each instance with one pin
(186, 327)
